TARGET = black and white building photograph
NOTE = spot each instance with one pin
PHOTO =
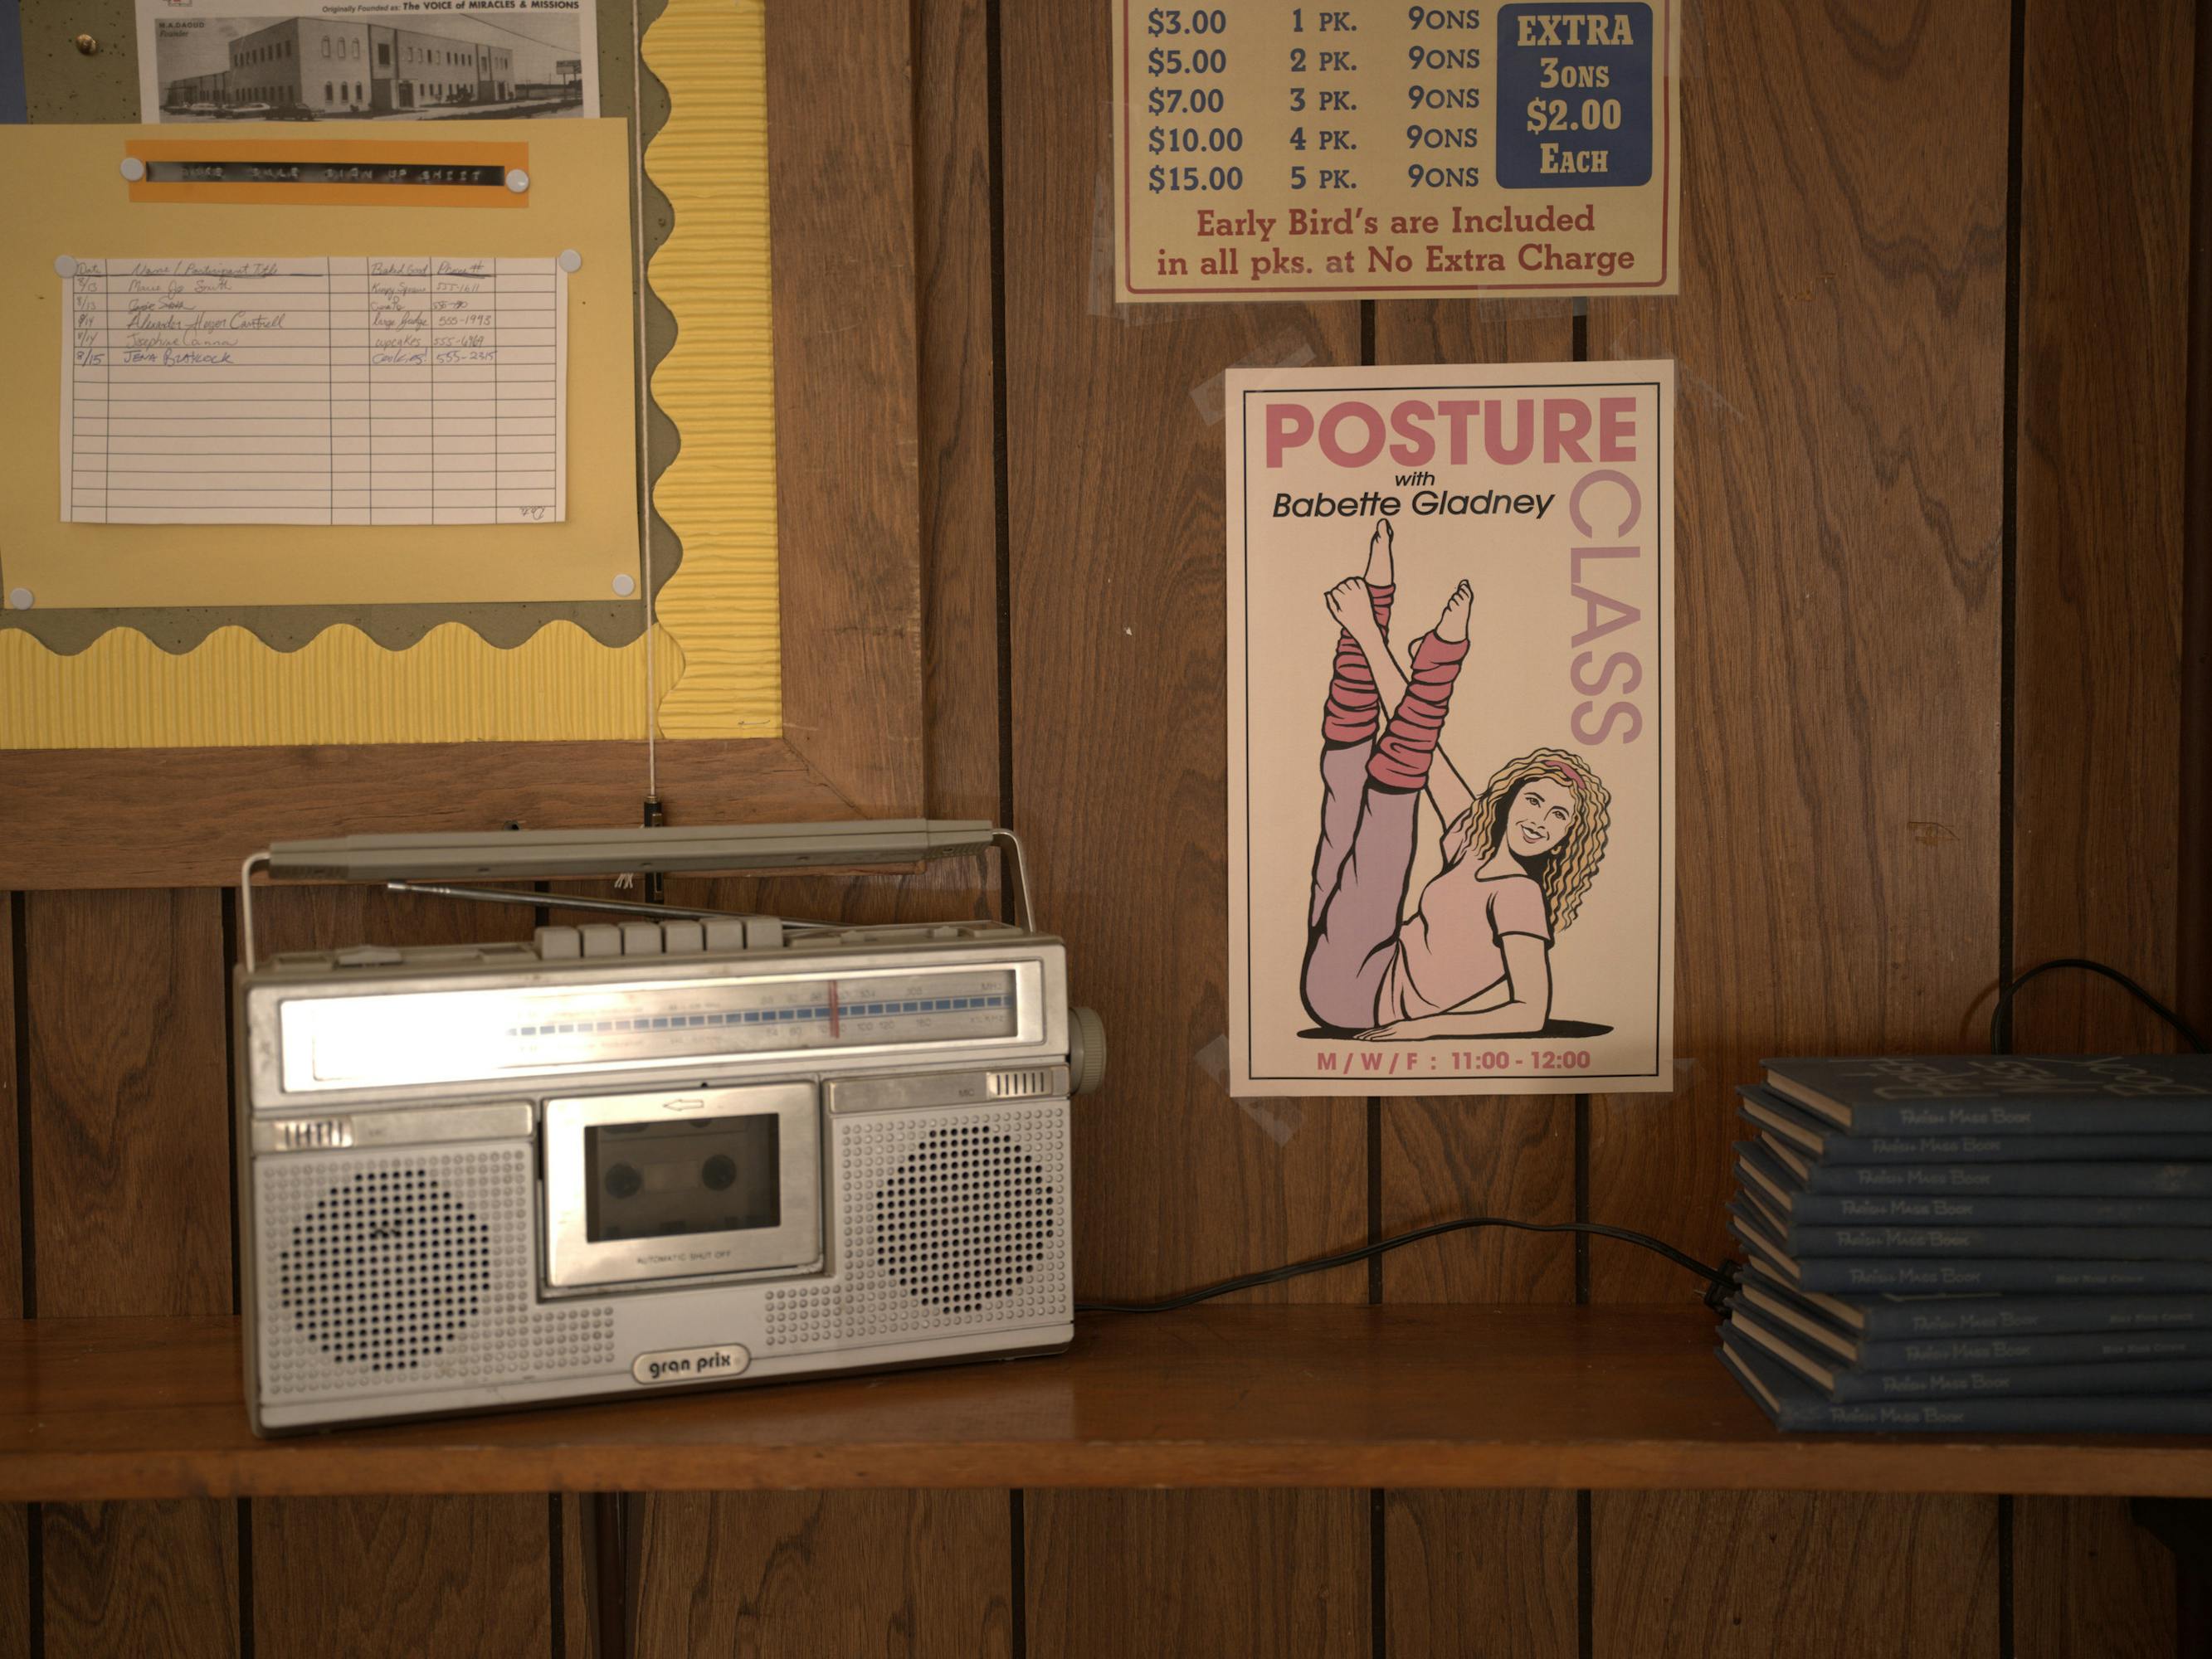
(498, 64)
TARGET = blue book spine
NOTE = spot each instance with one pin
(2008, 1094)
(1794, 1406)
(1991, 1382)
(2039, 1117)
(2035, 1352)
(1856, 1380)
(1842, 1275)
(1844, 1209)
(1818, 1137)
(1924, 1317)
(1848, 1276)
(2161, 1181)
(2187, 1244)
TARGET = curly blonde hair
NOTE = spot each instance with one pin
(1565, 873)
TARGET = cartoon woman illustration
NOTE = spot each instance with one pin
(1474, 959)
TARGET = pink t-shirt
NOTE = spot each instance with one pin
(1453, 946)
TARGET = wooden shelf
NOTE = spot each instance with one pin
(1225, 1396)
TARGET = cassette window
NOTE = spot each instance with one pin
(665, 1179)
(682, 1184)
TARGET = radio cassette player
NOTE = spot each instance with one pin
(665, 1148)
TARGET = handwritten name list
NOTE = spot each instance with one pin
(424, 390)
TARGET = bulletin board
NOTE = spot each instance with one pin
(154, 748)
(187, 636)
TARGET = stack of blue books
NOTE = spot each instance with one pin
(1973, 1243)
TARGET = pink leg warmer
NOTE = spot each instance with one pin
(1353, 704)
(1401, 760)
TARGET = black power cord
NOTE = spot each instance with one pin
(2000, 1015)
(1720, 1282)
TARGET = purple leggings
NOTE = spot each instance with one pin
(1361, 867)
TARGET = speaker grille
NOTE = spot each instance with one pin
(395, 1273)
(964, 1218)
(946, 1222)
(386, 1269)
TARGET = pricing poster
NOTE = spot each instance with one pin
(1378, 149)
(1450, 746)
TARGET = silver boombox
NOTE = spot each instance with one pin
(675, 1147)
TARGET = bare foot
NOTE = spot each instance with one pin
(1379, 545)
(1451, 626)
(1348, 603)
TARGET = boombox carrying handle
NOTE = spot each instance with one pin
(535, 854)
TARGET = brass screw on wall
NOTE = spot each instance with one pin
(87, 45)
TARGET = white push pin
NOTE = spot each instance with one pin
(20, 597)
(133, 168)
(517, 180)
(571, 260)
(64, 265)
(625, 586)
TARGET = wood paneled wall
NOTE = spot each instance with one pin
(1841, 351)
(1929, 349)
(2101, 336)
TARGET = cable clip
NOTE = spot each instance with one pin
(1723, 1286)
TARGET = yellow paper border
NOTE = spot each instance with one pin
(123, 691)
(718, 384)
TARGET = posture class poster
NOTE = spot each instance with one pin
(1450, 759)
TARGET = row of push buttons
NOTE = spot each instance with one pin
(659, 939)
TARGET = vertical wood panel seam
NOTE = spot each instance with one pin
(555, 1544)
(245, 1581)
(1585, 1595)
(1378, 1501)
(925, 577)
(2008, 617)
(244, 1507)
(2005, 1629)
(19, 950)
(616, 1559)
(2193, 942)
(1018, 1596)
(1003, 629)
(994, 145)
(1581, 1122)
(243, 1516)
(230, 1077)
(1378, 1569)
(1374, 1198)
(2008, 556)
(18, 946)
(556, 1578)
(35, 1569)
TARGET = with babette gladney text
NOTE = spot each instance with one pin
(1415, 432)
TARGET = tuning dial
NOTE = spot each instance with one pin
(1086, 1050)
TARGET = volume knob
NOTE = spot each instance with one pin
(1086, 1050)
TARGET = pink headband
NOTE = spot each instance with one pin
(1573, 776)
